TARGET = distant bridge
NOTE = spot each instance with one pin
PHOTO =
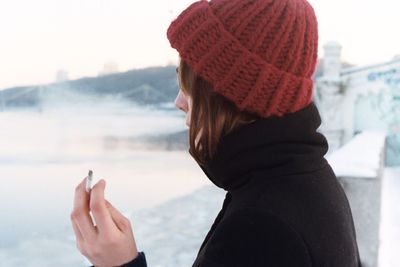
(145, 91)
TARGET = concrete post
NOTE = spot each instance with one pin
(360, 172)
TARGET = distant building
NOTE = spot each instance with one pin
(109, 68)
(61, 76)
(357, 99)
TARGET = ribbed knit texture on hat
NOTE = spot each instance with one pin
(260, 54)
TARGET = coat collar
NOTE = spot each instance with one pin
(269, 147)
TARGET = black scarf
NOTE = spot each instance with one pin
(269, 147)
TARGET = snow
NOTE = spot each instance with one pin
(390, 219)
(170, 234)
(360, 157)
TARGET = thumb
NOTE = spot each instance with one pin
(119, 219)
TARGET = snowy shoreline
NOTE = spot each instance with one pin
(171, 233)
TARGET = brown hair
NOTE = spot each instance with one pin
(212, 116)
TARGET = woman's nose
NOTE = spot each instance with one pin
(181, 102)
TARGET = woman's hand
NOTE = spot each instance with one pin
(108, 243)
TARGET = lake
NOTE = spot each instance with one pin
(45, 153)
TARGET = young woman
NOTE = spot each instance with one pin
(245, 85)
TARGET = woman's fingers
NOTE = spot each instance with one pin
(120, 220)
(78, 234)
(108, 243)
(79, 238)
(80, 215)
(101, 214)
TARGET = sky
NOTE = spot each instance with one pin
(39, 38)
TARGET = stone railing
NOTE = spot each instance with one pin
(359, 166)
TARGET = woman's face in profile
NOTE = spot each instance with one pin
(184, 103)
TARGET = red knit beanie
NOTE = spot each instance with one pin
(260, 54)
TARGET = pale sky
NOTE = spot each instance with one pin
(39, 38)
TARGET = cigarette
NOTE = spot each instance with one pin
(89, 179)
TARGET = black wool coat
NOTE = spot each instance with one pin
(284, 206)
